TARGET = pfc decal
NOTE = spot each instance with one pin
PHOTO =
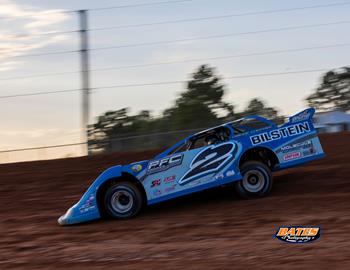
(155, 183)
(291, 156)
(169, 179)
(136, 167)
(88, 205)
(277, 134)
(164, 163)
(298, 234)
(208, 161)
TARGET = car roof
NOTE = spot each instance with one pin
(233, 122)
(225, 125)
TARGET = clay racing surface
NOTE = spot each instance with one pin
(209, 230)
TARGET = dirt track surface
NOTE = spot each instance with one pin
(209, 230)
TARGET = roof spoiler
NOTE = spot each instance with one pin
(306, 114)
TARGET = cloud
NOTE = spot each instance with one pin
(40, 133)
(27, 138)
(9, 65)
(17, 139)
(29, 23)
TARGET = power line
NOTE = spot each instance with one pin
(37, 13)
(41, 147)
(252, 13)
(39, 75)
(221, 57)
(277, 73)
(225, 78)
(19, 35)
(182, 61)
(39, 93)
(104, 141)
(139, 5)
(43, 54)
(97, 9)
(168, 82)
(152, 43)
(280, 29)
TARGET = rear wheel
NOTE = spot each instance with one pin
(123, 200)
(256, 182)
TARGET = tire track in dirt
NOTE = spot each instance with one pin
(207, 230)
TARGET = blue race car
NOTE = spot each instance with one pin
(243, 152)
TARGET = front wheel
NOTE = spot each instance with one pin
(123, 200)
(256, 182)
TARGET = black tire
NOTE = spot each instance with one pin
(123, 200)
(256, 182)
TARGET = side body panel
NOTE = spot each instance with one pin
(196, 170)
(294, 143)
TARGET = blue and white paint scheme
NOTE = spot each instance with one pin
(184, 168)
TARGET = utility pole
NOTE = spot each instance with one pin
(85, 76)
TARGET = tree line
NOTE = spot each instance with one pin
(202, 105)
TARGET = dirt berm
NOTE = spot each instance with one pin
(208, 230)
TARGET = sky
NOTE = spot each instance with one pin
(55, 119)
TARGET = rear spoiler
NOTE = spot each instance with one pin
(302, 116)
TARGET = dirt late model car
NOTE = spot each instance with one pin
(243, 152)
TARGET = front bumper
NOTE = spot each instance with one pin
(73, 217)
(85, 210)
(64, 219)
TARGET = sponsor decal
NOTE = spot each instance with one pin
(157, 192)
(296, 146)
(88, 205)
(164, 163)
(291, 156)
(279, 133)
(219, 176)
(195, 182)
(310, 151)
(230, 173)
(208, 161)
(169, 179)
(136, 167)
(155, 183)
(298, 234)
(169, 189)
(301, 117)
